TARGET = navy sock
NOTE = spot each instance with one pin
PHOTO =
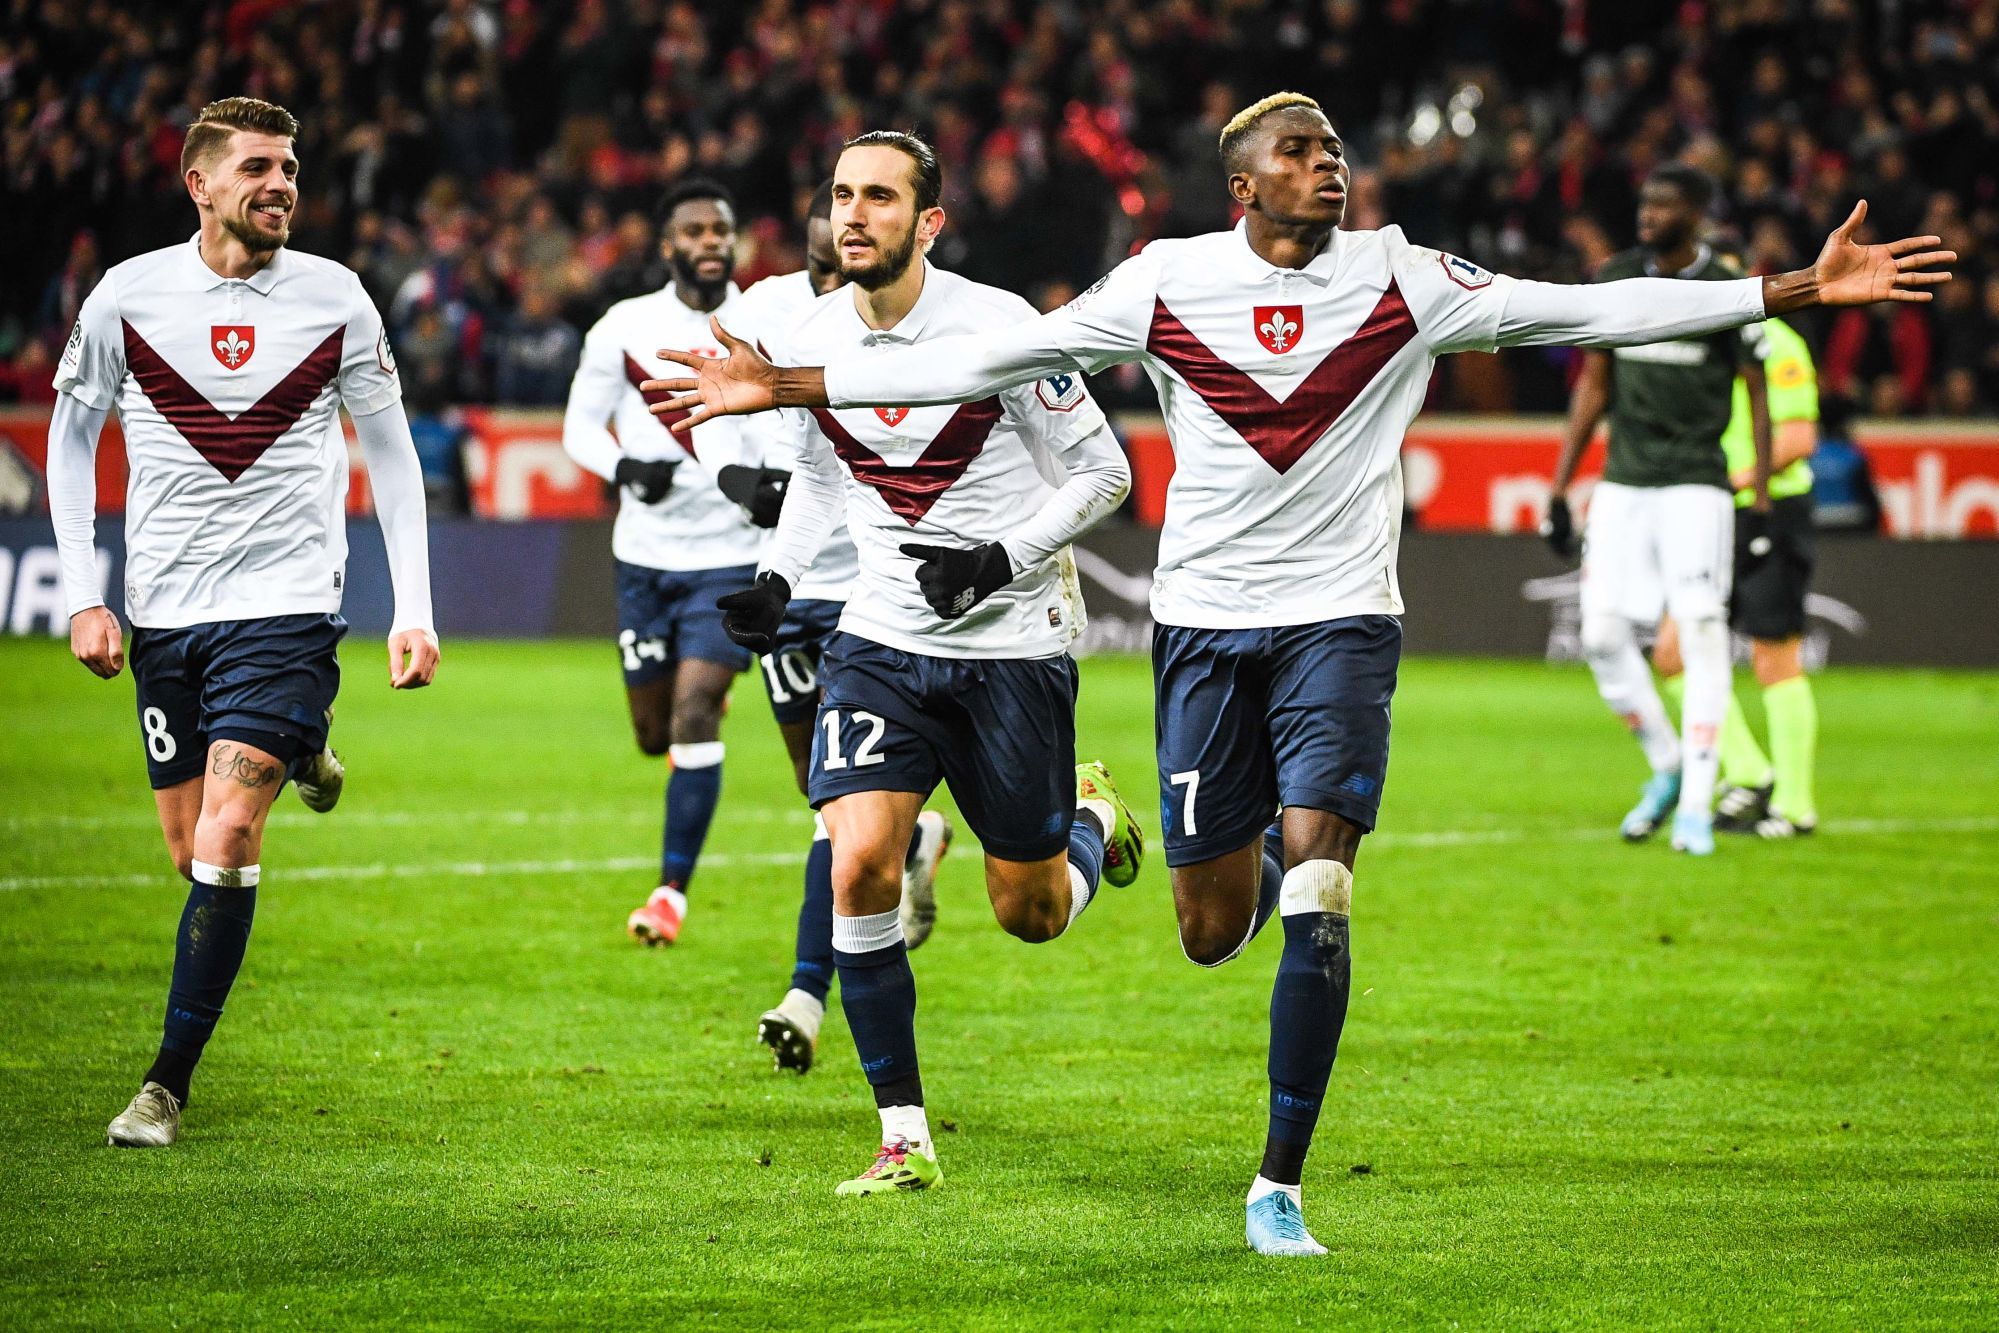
(1086, 847)
(691, 794)
(1272, 883)
(1308, 1007)
(214, 932)
(878, 994)
(813, 970)
(915, 841)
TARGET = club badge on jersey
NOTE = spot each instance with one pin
(1061, 393)
(233, 344)
(1278, 326)
(891, 416)
(1464, 273)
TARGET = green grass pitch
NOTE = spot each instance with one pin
(1582, 1085)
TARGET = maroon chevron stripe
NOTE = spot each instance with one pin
(1282, 432)
(636, 373)
(911, 491)
(232, 445)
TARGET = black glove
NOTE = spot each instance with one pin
(757, 489)
(1755, 542)
(954, 581)
(648, 479)
(751, 617)
(1559, 528)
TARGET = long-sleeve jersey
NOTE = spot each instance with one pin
(230, 393)
(1286, 394)
(1031, 467)
(694, 526)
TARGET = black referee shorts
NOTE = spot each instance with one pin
(1769, 601)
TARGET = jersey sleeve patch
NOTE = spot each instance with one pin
(1061, 393)
(385, 358)
(72, 351)
(1464, 273)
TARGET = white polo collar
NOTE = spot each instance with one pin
(206, 279)
(1319, 272)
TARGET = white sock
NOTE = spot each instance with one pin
(1260, 1187)
(906, 1122)
(866, 934)
(1106, 816)
(673, 896)
(1079, 893)
(1625, 682)
(697, 754)
(1316, 886)
(1704, 648)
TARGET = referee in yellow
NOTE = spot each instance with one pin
(1769, 794)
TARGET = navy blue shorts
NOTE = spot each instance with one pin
(791, 669)
(264, 682)
(1000, 732)
(668, 615)
(1250, 720)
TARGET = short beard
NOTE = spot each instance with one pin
(256, 241)
(708, 293)
(893, 263)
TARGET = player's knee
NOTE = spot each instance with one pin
(801, 769)
(1604, 637)
(1027, 914)
(232, 825)
(654, 735)
(697, 718)
(183, 858)
(867, 879)
(1210, 937)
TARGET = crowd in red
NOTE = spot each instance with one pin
(489, 165)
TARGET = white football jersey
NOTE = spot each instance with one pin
(769, 309)
(229, 391)
(694, 526)
(951, 475)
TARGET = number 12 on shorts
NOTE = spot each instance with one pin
(865, 753)
(1191, 780)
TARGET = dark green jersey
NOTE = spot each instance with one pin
(1670, 401)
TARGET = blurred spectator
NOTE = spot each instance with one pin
(473, 157)
(537, 353)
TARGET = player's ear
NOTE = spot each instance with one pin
(929, 226)
(197, 186)
(1241, 188)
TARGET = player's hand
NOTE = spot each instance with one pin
(413, 659)
(750, 617)
(743, 381)
(649, 479)
(956, 580)
(97, 641)
(1559, 527)
(760, 490)
(1848, 273)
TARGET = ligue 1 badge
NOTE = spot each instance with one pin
(1278, 326)
(891, 416)
(232, 344)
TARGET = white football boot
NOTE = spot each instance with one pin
(151, 1121)
(919, 877)
(320, 781)
(792, 1030)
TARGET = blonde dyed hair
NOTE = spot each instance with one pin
(1245, 120)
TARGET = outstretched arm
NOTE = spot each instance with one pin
(1648, 310)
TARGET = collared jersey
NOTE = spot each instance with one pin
(694, 526)
(1793, 389)
(1286, 394)
(949, 475)
(768, 310)
(229, 391)
(1670, 401)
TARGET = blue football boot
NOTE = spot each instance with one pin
(1276, 1226)
(1658, 798)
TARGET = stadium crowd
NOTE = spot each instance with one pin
(489, 165)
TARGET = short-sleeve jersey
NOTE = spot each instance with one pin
(768, 310)
(695, 526)
(229, 391)
(1286, 394)
(950, 475)
(1793, 386)
(1670, 401)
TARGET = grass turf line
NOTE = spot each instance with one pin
(1591, 1084)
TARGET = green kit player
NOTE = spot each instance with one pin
(1770, 795)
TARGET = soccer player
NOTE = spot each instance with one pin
(1289, 357)
(791, 669)
(951, 659)
(1769, 795)
(1661, 527)
(679, 542)
(229, 359)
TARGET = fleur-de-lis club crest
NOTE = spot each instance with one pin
(232, 344)
(1278, 326)
(891, 416)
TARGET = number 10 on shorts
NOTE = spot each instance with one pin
(865, 753)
